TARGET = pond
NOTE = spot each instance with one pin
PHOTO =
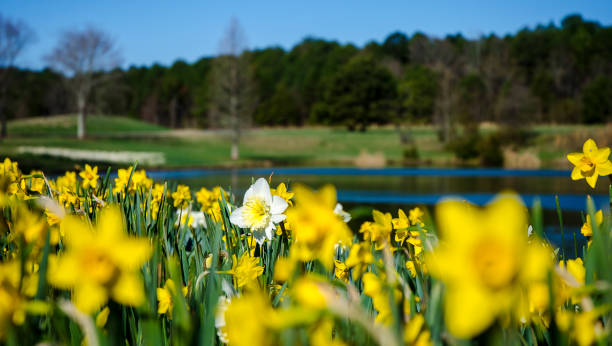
(391, 188)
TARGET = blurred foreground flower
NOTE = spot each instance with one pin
(316, 228)
(486, 262)
(591, 163)
(14, 293)
(100, 262)
(245, 320)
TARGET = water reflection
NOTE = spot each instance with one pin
(390, 189)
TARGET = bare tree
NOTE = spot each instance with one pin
(232, 92)
(81, 55)
(15, 35)
(448, 64)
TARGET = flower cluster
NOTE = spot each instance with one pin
(91, 259)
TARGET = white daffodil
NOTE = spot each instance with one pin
(260, 211)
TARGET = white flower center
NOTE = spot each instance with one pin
(256, 213)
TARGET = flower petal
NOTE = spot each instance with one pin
(131, 253)
(576, 174)
(260, 189)
(129, 289)
(602, 155)
(89, 296)
(110, 225)
(468, 312)
(279, 205)
(259, 236)
(64, 271)
(589, 148)
(278, 218)
(237, 219)
(270, 230)
(592, 180)
(575, 158)
(604, 168)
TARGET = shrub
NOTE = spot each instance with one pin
(490, 151)
(465, 147)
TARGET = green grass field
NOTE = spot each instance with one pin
(315, 146)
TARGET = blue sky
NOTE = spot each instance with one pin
(164, 31)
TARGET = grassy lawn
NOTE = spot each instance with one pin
(65, 125)
(316, 146)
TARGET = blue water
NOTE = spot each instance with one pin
(391, 188)
(438, 172)
(567, 202)
(409, 186)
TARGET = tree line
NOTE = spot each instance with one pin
(551, 73)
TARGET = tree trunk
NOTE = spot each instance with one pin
(235, 153)
(235, 120)
(405, 135)
(81, 132)
(173, 112)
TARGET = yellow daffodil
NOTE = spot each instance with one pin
(416, 332)
(341, 271)
(10, 172)
(100, 263)
(90, 176)
(123, 176)
(246, 269)
(140, 180)
(32, 226)
(67, 181)
(281, 191)
(182, 196)
(583, 327)
(308, 293)
(283, 268)
(576, 268)
(486, 262)
(379, 231)
(157, 194)
(402, 225)
(570, 285)
(411, 268)
(359, 258)
(246, 320)
(260, 211)
(209, 201)
(165, 304)
(206, 198)
(13, 300)
(401, 222)
(102, 317)
(35, 184)
(374, 286)
(587, 227)
(416, 216)
(322, 334)
(591, 163)
(316, 229)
